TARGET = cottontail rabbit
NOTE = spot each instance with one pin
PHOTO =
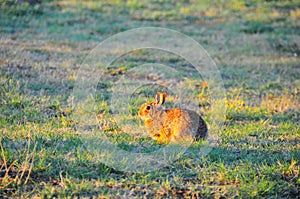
(173, 125)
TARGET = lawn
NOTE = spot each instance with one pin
(44, 151)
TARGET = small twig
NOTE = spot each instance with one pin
(24, 164)
(3, 156)
(31, 164)
(4, 164)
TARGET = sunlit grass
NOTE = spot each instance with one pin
(255, 45)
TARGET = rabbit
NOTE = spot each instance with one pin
(173, 125)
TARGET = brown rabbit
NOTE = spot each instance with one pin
(173, 125)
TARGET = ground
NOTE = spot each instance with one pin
(255, 45)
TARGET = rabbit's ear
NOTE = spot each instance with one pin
(160, 97)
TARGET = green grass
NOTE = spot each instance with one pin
(255, 45)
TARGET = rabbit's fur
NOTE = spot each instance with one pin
(172, 125)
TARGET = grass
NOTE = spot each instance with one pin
(255, 45)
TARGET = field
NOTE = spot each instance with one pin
(255, 45)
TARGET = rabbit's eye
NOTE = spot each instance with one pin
(148, 107)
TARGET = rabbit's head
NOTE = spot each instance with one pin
(148, 110)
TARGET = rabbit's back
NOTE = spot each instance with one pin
(187, 125)
(175, 125)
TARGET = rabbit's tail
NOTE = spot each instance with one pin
(202, 131)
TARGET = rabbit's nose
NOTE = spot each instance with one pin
(140, 112)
